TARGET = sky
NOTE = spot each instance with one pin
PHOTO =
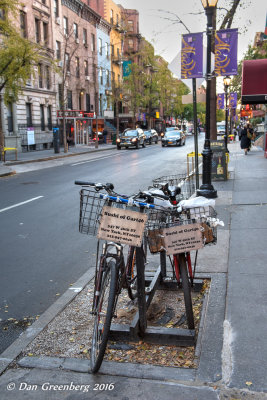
(158, 22)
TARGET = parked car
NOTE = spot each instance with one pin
(173, 138)
(131, 138)
(151, 136)
(100, 137)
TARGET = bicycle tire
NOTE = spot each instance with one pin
(187, 291)
(103, 321)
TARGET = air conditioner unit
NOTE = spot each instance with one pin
(77, 41)
(66, 84)
(87, 78)
(68, 73)
(60, 64)
(58, 20)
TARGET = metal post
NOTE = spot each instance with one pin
(195, 130)
(226, 118)
(206, 189)
(140, 267)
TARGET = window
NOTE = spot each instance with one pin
(100, 46)
(106, 49)
(117, 19)
(75, 30)
(29, 114)
(37, 30)
(87, 101)
(67, 62)
(101, 103)
(40, 75)
(111, 17)
(130, 44)
(94, 72)
(113, 76)
(69, 99)
(92, 42)
(42, 117)
(65, 25)
(86, 70)
(9, 117)
(112, 49)
(45, 33)
(118, 52)
(85, 37)
(49, 117)
(119, 78)
(130, 26)
(44, 1)
(101, 75)
(56, 12)
(77, 67)
(23, 29)
(47, 77)
(58, 50)
(107, 77)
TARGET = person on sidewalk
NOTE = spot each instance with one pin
(246, 136)
(105, 133)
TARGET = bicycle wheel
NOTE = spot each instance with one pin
(103, 315)
(187, 291)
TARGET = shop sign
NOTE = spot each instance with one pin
(30, 136)
(122, 226)
(182, 238)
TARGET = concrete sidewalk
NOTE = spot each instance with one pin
(7, 168)
(231, 345)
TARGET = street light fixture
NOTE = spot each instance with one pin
(226, 81)
(206, 189)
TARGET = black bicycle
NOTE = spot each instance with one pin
(114, 271)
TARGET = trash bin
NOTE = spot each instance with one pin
(56, 140)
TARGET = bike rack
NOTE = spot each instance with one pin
(138, 328)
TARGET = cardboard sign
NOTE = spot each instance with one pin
(182, 238)
(122, 226)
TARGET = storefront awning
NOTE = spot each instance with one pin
(254, 82)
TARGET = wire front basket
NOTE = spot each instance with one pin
(161, 219)
(91, 204)
(186, 183)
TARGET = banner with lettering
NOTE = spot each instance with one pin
(220, 101)
(192, 56)
(226, 52)
(233, 100)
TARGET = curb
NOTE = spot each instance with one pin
(11, 163)
(7, 173)
(13, 351)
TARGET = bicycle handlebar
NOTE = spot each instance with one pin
(97, 186)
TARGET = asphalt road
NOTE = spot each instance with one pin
(42, 252)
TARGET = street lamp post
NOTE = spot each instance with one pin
(206, 189)
(226, 81)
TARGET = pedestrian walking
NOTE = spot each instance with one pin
(246, 136)
(105, 132)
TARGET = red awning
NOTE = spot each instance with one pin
(254, 82)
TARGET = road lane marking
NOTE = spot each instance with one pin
(95, 159)
(20, 204)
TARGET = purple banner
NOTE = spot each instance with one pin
(226, 52)
(192, 56)
(220, 101)
(233, 100)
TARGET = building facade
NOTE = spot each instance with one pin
(35, 112)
